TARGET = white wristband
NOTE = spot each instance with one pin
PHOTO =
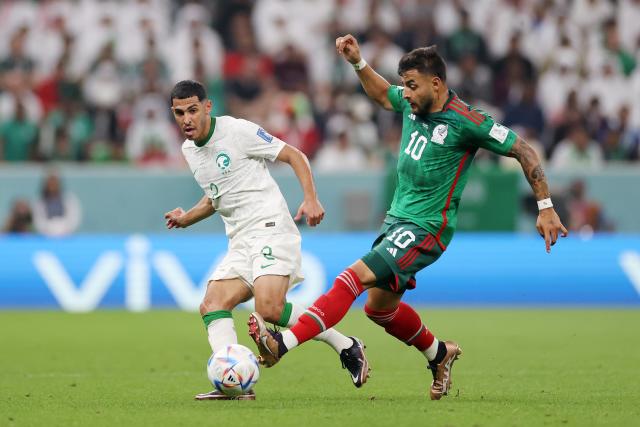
(544, 204)
(360, 65)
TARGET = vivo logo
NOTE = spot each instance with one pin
(138, 260)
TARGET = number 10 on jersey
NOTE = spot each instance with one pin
(415, 148)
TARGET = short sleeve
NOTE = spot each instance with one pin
(489, 134)
(257, 142)
(394, 93)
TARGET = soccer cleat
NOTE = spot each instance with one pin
(355, 361)
(218, 395)
(442, 371)
(268, 341)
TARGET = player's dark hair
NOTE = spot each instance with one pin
(187, 89)
(426, 60)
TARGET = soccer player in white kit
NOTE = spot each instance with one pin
(227, 158)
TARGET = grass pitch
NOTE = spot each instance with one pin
(519, 367)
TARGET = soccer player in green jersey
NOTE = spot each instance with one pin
(440, 136)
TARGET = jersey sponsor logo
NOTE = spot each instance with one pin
(412, 116)
(439, 134)
(265, 135)
(392, 251)
(263, 266)
(499, 132)
(223, 161)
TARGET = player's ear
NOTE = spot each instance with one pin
(208, 105)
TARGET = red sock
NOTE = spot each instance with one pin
(404, 324)
(330, 308)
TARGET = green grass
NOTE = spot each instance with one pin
(520, 367)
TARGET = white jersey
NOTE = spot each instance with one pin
(230, 167)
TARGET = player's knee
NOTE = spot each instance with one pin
(379, 317)
(270, 310)
(216, 303)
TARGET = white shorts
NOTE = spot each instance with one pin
(250, 257)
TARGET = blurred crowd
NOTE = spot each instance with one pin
(88, 80)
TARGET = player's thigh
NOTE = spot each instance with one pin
(401, 250)
(270, 294)
(382, 300)
(364, 273)
(224, 294)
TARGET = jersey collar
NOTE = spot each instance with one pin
(203, 141)
(452, 96)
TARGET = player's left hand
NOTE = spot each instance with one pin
(549, 226)
(313, 210)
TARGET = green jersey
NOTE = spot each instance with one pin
(436, 151)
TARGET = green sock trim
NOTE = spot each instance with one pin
(286, 315)
(215, 315)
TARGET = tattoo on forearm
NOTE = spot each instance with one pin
(531, 167)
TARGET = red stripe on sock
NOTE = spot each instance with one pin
(404, 326)
(330, 307)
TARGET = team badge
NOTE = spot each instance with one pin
(223, 161)
(439, 134)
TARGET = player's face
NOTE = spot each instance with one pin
(192, 116)
(419, 90)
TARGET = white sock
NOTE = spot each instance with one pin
(430, 353)
(221, 332)
(290, 340)
(335, 339)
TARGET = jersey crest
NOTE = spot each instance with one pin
(439, 134)
(223, 161)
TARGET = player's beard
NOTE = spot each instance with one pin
(425, 107)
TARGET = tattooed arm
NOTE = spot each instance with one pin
(548, 223)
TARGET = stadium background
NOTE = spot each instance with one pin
(91, 157)
(90, 161)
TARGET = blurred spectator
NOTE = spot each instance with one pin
(19, 137)
(590, 14)
(80, 68)
(20, 219)
(511, 72)
(614, 47)
(104, 90)
(56, 213)
(471, 80)
(466, 42)
(339, 154)
(621, 141)
(152, 138)
(290, 70)
(577, 152)
(585, 216)
(17, 59)
(526, 111)
(382, 53)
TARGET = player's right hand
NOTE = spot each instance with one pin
(313, 210)
(174, 218)
(347, 47)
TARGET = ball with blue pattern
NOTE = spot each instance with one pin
(233, 370)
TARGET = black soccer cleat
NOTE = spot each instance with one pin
(354, 360)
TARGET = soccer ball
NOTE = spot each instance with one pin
(233, 370)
